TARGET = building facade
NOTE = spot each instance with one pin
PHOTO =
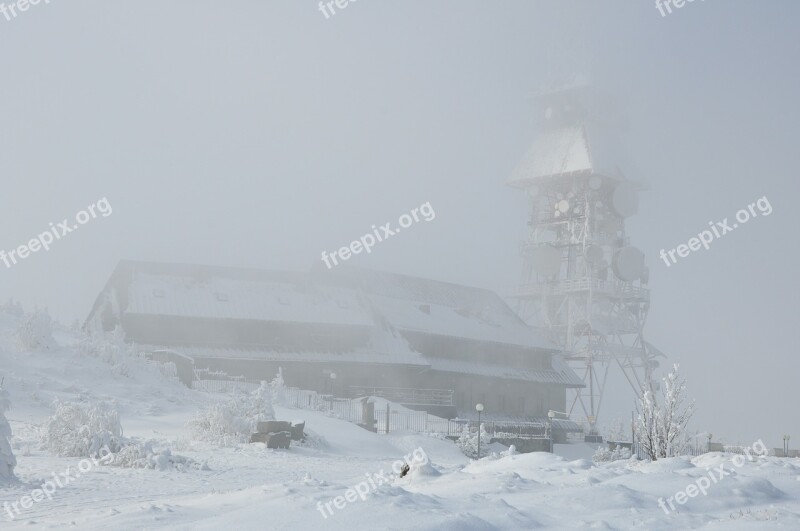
(345, 332)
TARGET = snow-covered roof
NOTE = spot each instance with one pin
(569, 150)
(345, 296)
(386, 308)
(218, 297)
(445, 309)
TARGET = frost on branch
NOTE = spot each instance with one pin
(661, 428)
(278, 387)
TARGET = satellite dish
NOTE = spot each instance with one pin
(546, 260)
(628, 264)
(593, 254)
(563, 206)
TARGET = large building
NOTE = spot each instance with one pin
(340, 331)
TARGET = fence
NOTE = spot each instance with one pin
(221, 382)
(385, 419)
(692, 450)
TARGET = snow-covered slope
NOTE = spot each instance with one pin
(251, 487)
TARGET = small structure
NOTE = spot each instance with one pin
(278, 433)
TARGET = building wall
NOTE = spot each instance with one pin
(499, 396)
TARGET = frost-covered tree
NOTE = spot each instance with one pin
(468, 442)
(259, 405)
(661, 428)
(618, 430)
(36, 331)
(278, 387)
(12, 307)
(7, 459)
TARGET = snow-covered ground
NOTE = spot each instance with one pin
(251, 487)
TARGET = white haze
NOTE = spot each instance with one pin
(259, 134)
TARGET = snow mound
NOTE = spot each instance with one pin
(420, 470)
(142, 455)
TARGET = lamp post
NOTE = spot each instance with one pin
(550, 415)
(786, 446)
(708, 448)
(479, 408)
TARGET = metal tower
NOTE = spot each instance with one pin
(583, 283)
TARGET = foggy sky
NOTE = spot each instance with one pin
(258, 134)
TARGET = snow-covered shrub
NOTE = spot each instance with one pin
(82, 429)
(7, 459)
(603, 454)
(468, 442)
(231, 421)
(110, 348)
(259, 405)
(618, 431)
(221, 423)
(35, 333)
(12, 308)
(278, 387)
(661, 429)
(512, 450)
(142, 455)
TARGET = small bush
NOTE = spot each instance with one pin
(231, 421)
(78, 429)
(36, 332)
(603, 454)
(468, 442)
